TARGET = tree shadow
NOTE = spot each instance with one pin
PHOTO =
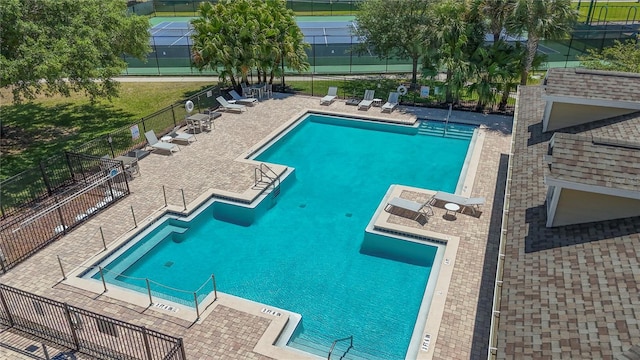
(33, 132)
(190, 93)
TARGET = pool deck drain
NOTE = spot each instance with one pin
(212, 163)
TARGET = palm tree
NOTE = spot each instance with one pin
(495, 13)
(540, 19)
(458, 32)
(212, 46)
(234, 37)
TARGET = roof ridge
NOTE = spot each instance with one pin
(606, 73)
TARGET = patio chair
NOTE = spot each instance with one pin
(181, 136)
(247, 92)
(225, 105)
(464, 202)
(391, 103)
(418, 208)
(241, 100)
(332, 93)
(268, 91)
(367, 101)
(153, 142)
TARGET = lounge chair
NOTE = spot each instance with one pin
(332, 93)
(152, 141)
(367, 101)
(464, 202)
(230, 107)
(391, 103)
(241, 100)
(416, 207)
(181, 136)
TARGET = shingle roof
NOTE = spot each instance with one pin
(594, 160)
(571, 291)
(593, 84)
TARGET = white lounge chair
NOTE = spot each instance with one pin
(242, 100)
(367, 101)
(391, 103)
(464, 202)
(181, 136)
(152, 141)
(230, 107)
(416, 207)
(332, 93)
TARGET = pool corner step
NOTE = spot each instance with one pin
(339, 352)
(166, 231)
(438, 129)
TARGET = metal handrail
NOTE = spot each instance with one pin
(263, 170)
(265, 166)
(446, 122)
(350, 338)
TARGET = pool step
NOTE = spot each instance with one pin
(338, 352)
(309, 347)
(165, 232)
(452, 130)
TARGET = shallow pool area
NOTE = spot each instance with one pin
(304, 248)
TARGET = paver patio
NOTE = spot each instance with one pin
(211, 163)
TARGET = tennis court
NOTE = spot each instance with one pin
(170, 33)
(547, 50)
(331, 40)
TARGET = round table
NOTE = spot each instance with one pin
(377, 102)
(451, 207)
(166, 138)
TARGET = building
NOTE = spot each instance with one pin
(571, 274)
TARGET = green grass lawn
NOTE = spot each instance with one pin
(34, 131)
(614, 11)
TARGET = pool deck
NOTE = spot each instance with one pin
(214, 164)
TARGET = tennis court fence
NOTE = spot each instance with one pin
(190, 7)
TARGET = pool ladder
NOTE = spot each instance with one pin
(265, 172)
(350, 338)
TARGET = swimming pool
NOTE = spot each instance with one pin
(306, 250)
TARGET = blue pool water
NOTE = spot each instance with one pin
(305, 252)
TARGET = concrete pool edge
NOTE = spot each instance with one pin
(300, 116)
(248, 197)
(424, 337)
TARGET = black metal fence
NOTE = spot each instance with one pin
(41, 204)
(350, 87)
(84, 331)
(300, 7)
(337, 54)
(328, 54)
(93, 184)
(131, 137)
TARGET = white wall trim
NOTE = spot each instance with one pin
(618, 104)
(553, 206)
(631, 194)
(547, 113)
